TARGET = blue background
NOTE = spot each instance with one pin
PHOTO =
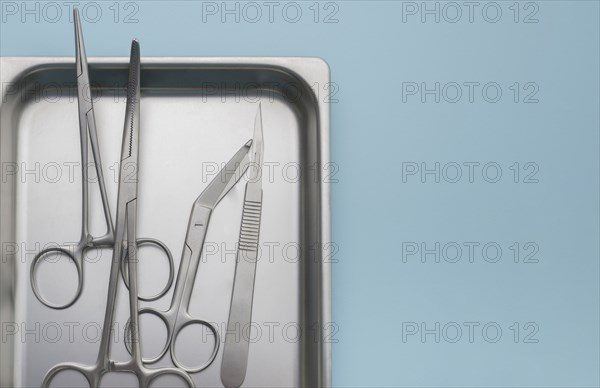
(376, 50)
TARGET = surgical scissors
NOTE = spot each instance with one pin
(177, 317)
(235, 350)
(125, 234)
(87, 126)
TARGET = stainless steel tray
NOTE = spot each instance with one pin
(196, 112)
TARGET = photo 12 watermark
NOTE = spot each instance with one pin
(470, 92)
(471, 12)
(469, 172)
(470, 332)
(52, 12)
(284, 12)
(471, 252)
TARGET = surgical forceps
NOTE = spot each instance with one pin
(177, 317)
(87, 125)
(125, 233)
(235, 351)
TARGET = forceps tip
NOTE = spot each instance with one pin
(135, 51)
(77, 22)
(80, 58)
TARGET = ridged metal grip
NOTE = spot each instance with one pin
(250, 229)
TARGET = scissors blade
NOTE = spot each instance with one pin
(256, 151)
(227, 177)
(131, 128)
(80, 56)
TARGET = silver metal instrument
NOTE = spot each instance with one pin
(190, 125)
(177, 317)
(87, 129)
(125, 234)
(235, 352)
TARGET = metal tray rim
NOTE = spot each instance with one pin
(309, 69)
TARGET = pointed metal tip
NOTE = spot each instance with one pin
(134, 54)
(80, 57)
(77, 22)
(258, 124)
(134, 71)
(257, 146)
(133, 104)
(228, 177)
(259, 111)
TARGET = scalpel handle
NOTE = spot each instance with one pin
(235, 351)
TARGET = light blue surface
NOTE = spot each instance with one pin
(376, 215)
